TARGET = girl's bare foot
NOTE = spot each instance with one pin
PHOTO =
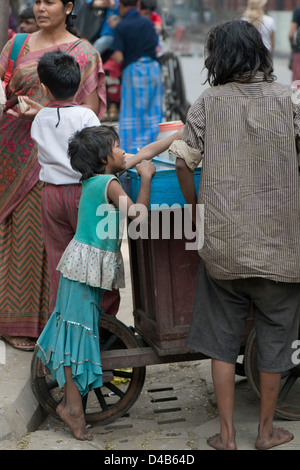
(277, 437)
(76, 423)
(217, 442)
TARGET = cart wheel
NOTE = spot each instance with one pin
(120, 390)
(288, 405)
(175, 104)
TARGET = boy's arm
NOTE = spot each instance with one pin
(153, 149)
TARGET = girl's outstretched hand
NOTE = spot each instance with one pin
(146, 168)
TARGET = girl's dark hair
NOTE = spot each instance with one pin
(89, 148)
(236, 52)
(60, 72)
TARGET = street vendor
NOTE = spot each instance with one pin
(246, 130)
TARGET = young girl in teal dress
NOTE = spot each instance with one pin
(92, 262)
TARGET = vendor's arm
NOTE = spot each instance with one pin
(187, 185)
(153, 149)
(189, 152)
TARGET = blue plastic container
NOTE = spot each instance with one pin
(165, 187)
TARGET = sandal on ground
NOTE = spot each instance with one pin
(22, 343)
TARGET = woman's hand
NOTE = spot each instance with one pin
(29, 112)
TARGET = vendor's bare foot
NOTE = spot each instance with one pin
(76, 423)
(217, 442)
(276, 438)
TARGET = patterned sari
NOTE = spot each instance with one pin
(24, 283)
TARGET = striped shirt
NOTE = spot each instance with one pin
(247, 137)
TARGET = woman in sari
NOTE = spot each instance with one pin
(24, 279)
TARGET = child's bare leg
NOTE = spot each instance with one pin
(70, 410)
(268, 436)
(223, 375)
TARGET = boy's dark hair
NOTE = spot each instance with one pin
(236, 52)
(129, 3)
(148, 5)
(60, 73)
(89, 148)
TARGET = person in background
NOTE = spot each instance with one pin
(249, 245)
(295, 57)
(106, 35)
(148, 8)
(12, 25)
(256, 14)
(28, 22)
(141, 108)
(24, 267)
(113, 77)
(12, 22)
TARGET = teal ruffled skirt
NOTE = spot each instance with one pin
(71, 335)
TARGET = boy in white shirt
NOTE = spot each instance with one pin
(51, 129)
(59, 74)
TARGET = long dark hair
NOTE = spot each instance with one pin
(236, 52)
(88, 149)
(70, 18)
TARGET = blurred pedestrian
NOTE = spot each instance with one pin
(256, 14)
(295, 56)
(106, 33)
(134, 46)
(28, 22)
(148, 8)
